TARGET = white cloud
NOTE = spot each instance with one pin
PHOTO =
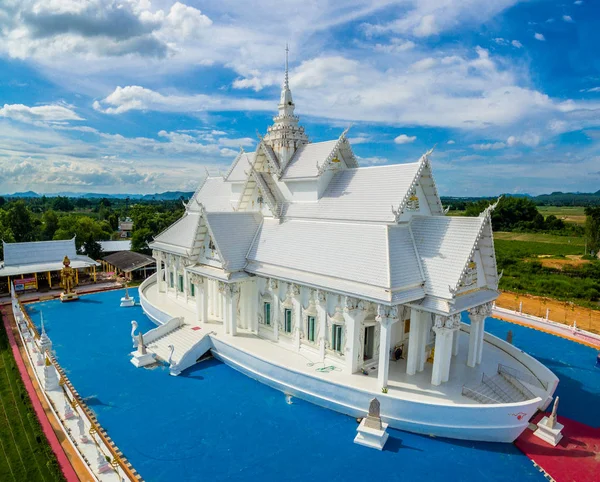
(426, 27)
(424, 64)
(372, 161)
(529, 139)
(592, 89)
(404, 139)
(451, 142)
(491, 146)
(540, 37)
(134, 97)
(568, 19)
(517, 44)
(578, 2)
(45, 113)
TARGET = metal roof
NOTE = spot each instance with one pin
(37, 252)
(129, 260)
(111, 246)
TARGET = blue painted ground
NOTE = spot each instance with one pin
(213, 423)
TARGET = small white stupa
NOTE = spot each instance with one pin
(50, 376)
(45, 342)
(549, 430)
(68, 410)
(102, 464)
(127, 301)
(371, 431)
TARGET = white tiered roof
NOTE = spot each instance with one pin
(377, 233)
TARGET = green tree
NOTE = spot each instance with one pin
(92, 248)
(21, 222)
(592, 229)
(83, 228)
(62, 203)
(49, 224)
(140, 239)
(6, 233)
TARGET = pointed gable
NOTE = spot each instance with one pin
(181, 237)
(240, 166)
(232, 235)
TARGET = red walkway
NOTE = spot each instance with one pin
(575, 459)
(63, 461)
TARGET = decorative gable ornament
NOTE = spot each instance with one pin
(470, 278)
(413, 201)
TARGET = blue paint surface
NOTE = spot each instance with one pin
(213, 423)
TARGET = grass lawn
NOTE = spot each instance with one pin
(540, 238)
(571, 214)
(25, 455)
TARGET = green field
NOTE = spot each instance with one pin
(24, 452)
(571, 214)
(568, 241)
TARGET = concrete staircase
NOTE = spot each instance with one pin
(189, 343)
(504, 387)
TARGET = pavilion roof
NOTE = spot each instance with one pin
(129, 260)
(41, 256)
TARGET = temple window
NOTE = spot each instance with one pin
(288, 320)
(310, 329)
(192, 289)
(171, 280)
(336, 338)
(267, 308)
(180, 284)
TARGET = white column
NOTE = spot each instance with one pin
(473, 337)
(480, 341)
(354, 315)
(386, 316)
(320, 300)
(477, 315)
(297, 315)
(159, 272)
(442, 356)
(232, 297)
(455, 342)
(274, 286)
(416, 325)
(422, 341)
(204, 295)
(186, 285)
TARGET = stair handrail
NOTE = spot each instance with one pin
(477, 395)
(497, 389)
(184, 361)
(524, 377)
(170, 326)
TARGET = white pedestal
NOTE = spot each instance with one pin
(371, 437)
(69, 296)
(547, 434)
(139, 360)
(127, 302)
(50, 378)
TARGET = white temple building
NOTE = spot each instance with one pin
(336, 283)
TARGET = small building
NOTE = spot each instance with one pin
(130, 264)
(36, 265)
(109, 247)
(125, 227)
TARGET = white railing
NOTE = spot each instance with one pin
(156, 315)
(162, 330)
(524, 377)
(548, 325)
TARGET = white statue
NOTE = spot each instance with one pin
(134, 327)
(82, 435)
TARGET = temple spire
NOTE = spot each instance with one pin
(286, 84)
(285, 135)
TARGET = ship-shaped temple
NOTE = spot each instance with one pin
(338, 283)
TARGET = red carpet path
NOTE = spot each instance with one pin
(575, 459)
(63, 461)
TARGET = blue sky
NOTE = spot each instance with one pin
(143, 96)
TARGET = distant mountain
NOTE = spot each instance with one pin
(163, 196)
